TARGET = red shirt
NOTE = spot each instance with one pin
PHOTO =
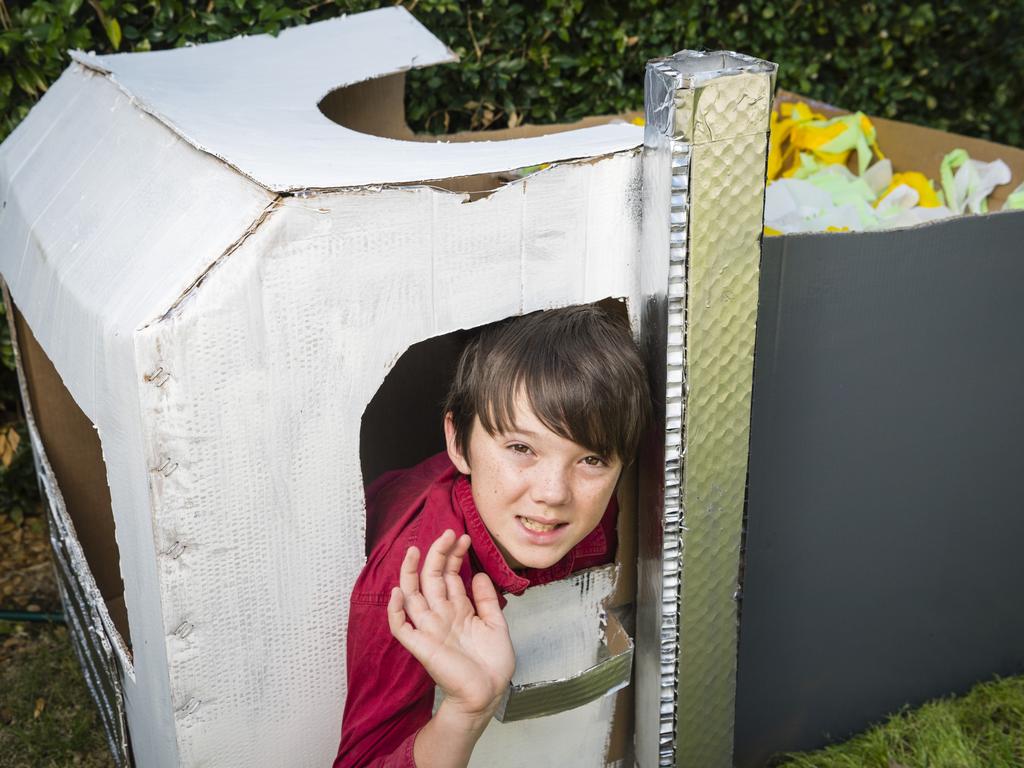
(390, 694)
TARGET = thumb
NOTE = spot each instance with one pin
(486, 600)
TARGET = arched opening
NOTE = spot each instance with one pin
(402, 425)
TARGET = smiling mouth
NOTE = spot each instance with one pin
(539, 527)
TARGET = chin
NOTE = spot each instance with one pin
(538, 561)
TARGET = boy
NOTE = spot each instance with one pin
(542, 415)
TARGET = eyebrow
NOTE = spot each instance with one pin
(531, 434)
(521, 431)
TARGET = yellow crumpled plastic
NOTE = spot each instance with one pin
(782, 155)
(917, 181)
(796, 130)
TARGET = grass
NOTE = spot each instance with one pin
(47, 719)
(983, 729)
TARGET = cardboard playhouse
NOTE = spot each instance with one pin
(238, 283)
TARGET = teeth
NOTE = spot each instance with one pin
(533, 525)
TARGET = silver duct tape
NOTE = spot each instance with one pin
(96, 662)
(706, 141)
(658, 519)
(100, 650)
(523, 701)
(720, 95)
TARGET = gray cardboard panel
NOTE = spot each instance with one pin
(884, 516)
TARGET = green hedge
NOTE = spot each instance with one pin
(953, 65)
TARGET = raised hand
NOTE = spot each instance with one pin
(467, 653)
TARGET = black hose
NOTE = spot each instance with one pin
(31, 616)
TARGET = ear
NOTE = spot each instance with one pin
(460, 460)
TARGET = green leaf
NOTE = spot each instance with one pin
(113, 29)
(25, 81)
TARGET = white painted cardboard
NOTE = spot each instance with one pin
(134, 238)
(252, 101)
(106, 217)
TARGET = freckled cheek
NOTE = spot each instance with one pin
(596, 500)
(507, 484)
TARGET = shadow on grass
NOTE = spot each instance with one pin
(47, 719)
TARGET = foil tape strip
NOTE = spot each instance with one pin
(95, 659)
(100, 650)
(523, 701)
(88, 621)
(664, 197)
(708, 113)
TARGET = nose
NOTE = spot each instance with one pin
(552, 485)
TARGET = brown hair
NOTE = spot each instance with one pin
(579, 369)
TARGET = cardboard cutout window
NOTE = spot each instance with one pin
(401, 426)
(73, 449)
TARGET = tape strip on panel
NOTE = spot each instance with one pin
(539, 699)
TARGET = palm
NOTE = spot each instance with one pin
(467, 652)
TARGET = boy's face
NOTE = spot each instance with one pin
(538, 493)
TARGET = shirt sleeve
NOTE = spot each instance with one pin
(390, 695)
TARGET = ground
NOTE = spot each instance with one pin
(47, 719)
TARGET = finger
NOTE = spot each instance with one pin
(396, 614)
(409, 583)
(400, 628)
(432, 576)
(453, 576)
(457, 554)
(409, 574)
(486, 599)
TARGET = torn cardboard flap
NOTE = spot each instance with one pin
(547, 697)
(571, 655)
(253, 102)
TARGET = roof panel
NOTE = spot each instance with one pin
(252, 101)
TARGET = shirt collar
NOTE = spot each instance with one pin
(493, 563)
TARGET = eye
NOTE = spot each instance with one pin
(521, 449)
(594, 461)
